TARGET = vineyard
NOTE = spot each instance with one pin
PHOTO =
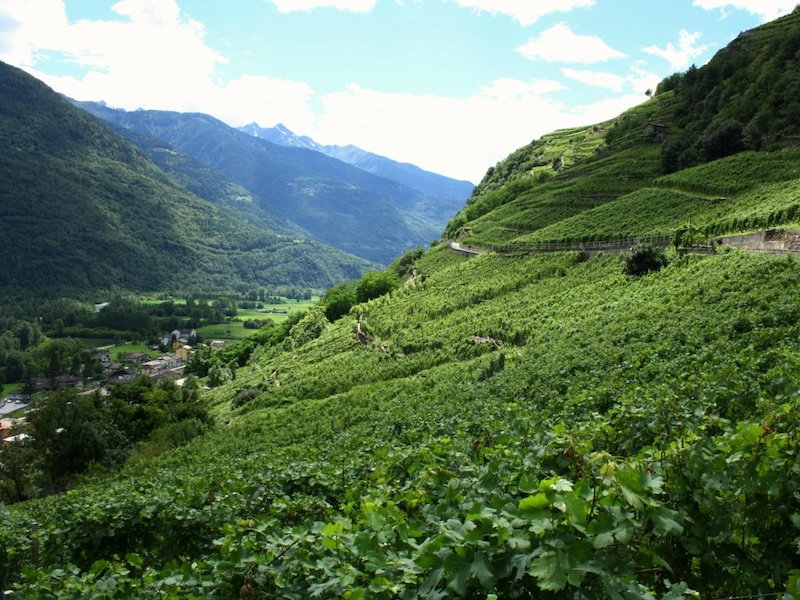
(621, 437)
(501, 426)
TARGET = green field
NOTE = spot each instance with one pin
(7, 388)
(235, 329)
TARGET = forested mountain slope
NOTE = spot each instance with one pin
(82, 209)
(514, 425)
(349, 208)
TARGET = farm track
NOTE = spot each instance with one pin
(623, 245)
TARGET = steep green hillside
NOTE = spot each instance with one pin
(513, 425)
(82, 209)
(743, 100)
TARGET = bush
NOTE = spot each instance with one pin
(643, 260)
(374, 284)
(339, 300)
(244, 397)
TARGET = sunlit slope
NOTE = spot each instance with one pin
(614, 194)
(483, 380)
(723, 132)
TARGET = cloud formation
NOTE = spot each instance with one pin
(151, 54)
(766, 9)
(681, 56)
(609, 81)
(358, 6)
(560, 44)
(525, 12)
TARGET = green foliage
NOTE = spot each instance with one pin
(308, 328)
(504, 426)
(442, 470)
(374, 284)
(644, 259)
(339, 300)
(62, 168)
(722, 138)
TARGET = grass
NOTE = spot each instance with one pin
(130, 348)
(235, 329)
(10, 387)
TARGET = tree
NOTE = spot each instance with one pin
(14, 368)
(338, 300)
(18, 472)
(70, 432)
(722, 138)
(644, 259)
(374, 284)
(219, 374)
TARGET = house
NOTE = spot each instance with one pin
(17, 396)
(153, 366)
(71, 381)
(174, 374)
(218, 344)
(136, 357)
(41, 384)
(8, 427)
(184, 352)
(656, 129)
(121, 376)
(101, 354)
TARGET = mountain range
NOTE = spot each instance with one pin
(368, 215)
(152, 200)
(446, 195)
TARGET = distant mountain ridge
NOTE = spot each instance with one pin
(356, 211)
(449, 193)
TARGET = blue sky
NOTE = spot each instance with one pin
(450, 85)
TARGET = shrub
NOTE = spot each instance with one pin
(339, 300)
(374, 284)
(244, 397)
(644, 259)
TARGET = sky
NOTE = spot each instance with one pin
(453, 86)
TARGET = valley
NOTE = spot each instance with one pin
(514, 409)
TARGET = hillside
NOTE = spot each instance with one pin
(83, 210)
(343, 206)
(442, 196)
(519, 424)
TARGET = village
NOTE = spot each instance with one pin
(117, 370)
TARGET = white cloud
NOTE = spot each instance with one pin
(681, 56)
(359, 6)
(639, 81)
(766, 9)
(609, 81)
(265, 100)
(560, 44)
(458, 137)
(153, 56)
(526, 12)
(27, 26)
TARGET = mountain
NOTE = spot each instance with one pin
(82, 209)
(521, 419)
(355, 211)
(446, 195)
